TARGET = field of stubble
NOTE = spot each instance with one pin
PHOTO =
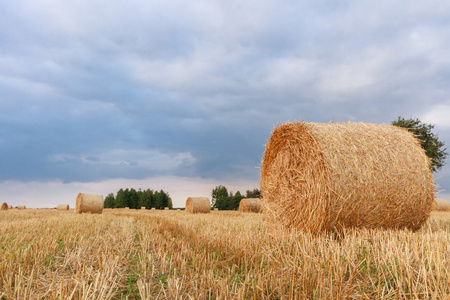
(128, 254)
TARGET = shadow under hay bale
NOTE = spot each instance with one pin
(89, 203)
(250, 205)
(198, 205)
(317, 177)
(62, 207)
(4, 206)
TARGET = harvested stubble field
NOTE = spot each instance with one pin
(134, 254)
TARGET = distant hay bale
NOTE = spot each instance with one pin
(4, 206)
(153, 208)
(21, 207)
(250, 205)
(127, 208)
(89, 203)
(198, 205)
(63, 207)
(441, 205)
(166, 208)
(318, 177)
(143, 207)
(10, 207)
(216, 208)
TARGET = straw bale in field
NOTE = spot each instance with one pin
(89, 203)
(153, 208)
(317, 177)
(198, 205)
(166, 208)
(21, 207)
(143, 207)
(441, 205)
(63, 207)
(250, 205)
(10, 207)
(4, 206)
(216, 208)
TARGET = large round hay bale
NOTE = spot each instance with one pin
(63, 207)
(198, 205)
(317, 177)
(4, 206)
(250, 205)
(21, 207)
(89, 203)
(441, 205)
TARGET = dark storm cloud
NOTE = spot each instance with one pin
(92, 91)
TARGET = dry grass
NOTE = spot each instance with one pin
(320, 177)
(49, 254)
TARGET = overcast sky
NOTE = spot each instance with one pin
(182, 95)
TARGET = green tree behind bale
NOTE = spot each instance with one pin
(235, 200)
(223, 200)
(219, 197)
(255, 193)
(136, 199)
(110, 201)
(429, 141)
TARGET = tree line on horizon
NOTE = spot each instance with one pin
(138, 199)
(224, 200)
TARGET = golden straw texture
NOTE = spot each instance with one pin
(63, 207)
(4, 206)
(198, 205)
(89, 203)
(441, 205)
(250, 205)
(317, 177)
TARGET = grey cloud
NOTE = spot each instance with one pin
(80, 82)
